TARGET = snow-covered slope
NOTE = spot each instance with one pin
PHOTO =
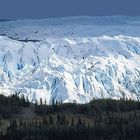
(71, 59)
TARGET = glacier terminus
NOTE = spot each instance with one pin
(73, 59)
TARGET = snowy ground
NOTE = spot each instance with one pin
(71, 59)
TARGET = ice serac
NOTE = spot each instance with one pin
(67, 67)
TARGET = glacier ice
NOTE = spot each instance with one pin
(70, 61)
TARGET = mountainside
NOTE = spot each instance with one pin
(71, 59)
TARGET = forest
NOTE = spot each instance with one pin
(100, 119)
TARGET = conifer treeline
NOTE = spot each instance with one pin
(94, 107)
(110, 126)
(103, 119)
(12, 105)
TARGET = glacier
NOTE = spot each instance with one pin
(73, 59)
